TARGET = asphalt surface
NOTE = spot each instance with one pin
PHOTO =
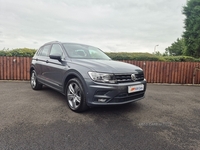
(168, 118)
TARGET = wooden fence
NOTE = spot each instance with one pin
(170, 72)
(17, 68)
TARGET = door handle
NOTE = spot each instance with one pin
(47, 61)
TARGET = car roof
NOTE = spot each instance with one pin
(53, 42)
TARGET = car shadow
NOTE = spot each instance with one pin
(53, 93)
(124, 108)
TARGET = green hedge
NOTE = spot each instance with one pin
(135, 56)
(20, 52)
(181, 59)
(150, 57)
(26, 52)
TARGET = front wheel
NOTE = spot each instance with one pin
(75, 95)
(34, 82)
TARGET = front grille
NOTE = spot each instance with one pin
(139, 77)
(121, 78)
(128, 97)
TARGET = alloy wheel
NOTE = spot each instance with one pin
(74, 95)
(33, 80)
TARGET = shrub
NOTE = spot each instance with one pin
(150, 57)
(26, 52)
(20, 52)
(134, 56)
(180, 58)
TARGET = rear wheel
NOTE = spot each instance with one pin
(75, 95)
(34, 82)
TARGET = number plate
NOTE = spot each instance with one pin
(135, 88)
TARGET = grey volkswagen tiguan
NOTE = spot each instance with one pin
(86, 75)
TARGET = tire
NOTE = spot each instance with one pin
(34, 82)
(76, 96)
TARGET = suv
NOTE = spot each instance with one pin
(86, 75)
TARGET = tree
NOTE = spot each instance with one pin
(177, 48)
(157, 53)
(192, 27)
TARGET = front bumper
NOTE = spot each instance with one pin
(112, 94)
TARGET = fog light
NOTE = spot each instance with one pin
(102, 100)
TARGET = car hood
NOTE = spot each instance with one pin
(108, 66)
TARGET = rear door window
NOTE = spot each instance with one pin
(45, 51)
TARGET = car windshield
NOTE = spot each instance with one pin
(84, 51)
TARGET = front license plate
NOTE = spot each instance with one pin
(135, 88)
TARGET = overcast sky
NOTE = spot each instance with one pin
(112, 25)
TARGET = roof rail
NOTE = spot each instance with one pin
(52, 42)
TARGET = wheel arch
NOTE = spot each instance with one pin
(31, 69)
(74, 74)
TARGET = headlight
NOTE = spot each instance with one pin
(102, 77)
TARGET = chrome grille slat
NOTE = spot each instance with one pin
(122, 78)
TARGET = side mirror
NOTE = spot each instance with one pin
(57, 57)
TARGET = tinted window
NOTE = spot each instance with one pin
(56, 50)
(39, 51)
(45, 50)
(94, 53)
(84, 51)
